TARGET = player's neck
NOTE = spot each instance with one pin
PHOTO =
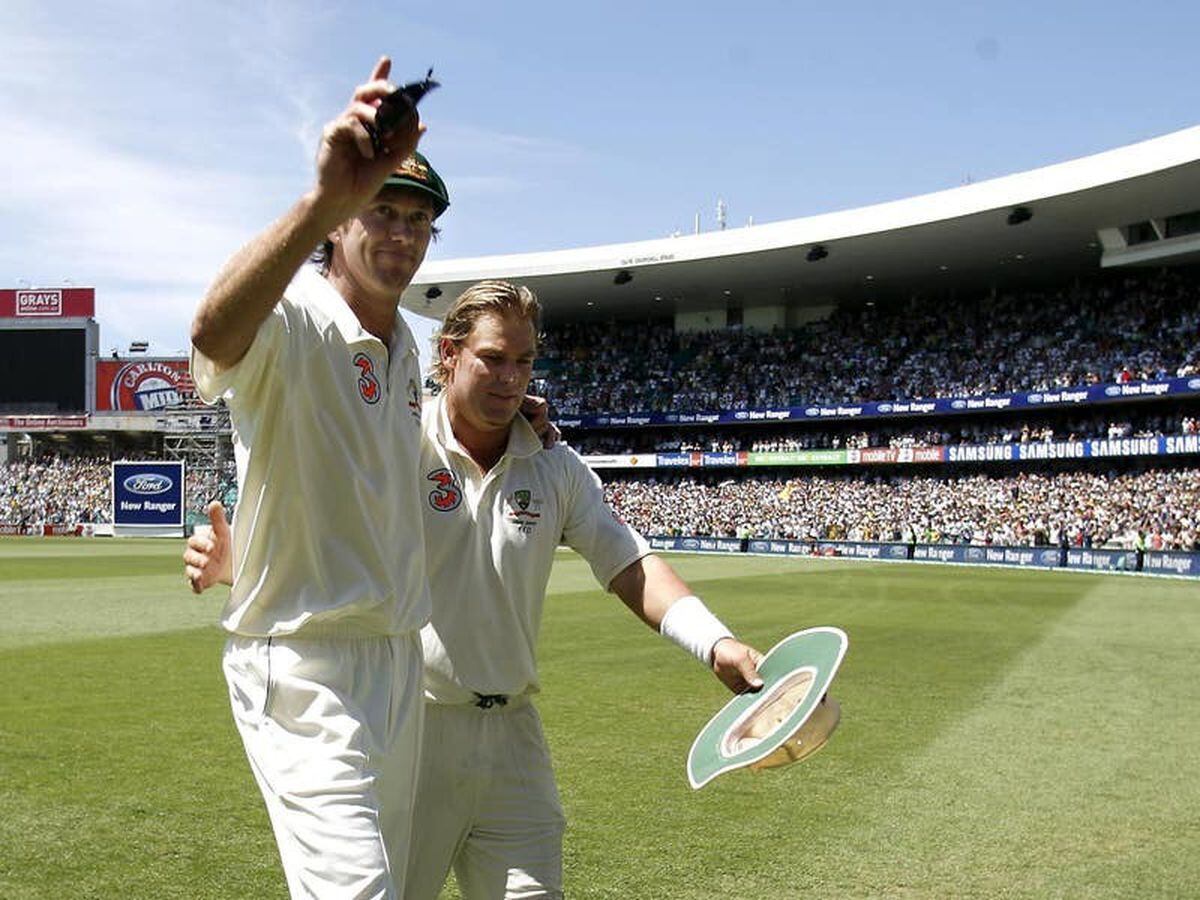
(376, 314)
(485, 446)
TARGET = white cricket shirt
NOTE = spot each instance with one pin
(490, 542)
(326, 426)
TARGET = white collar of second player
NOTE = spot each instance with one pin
(522, 439)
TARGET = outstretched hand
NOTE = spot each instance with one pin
(208, 559)
(736, 664)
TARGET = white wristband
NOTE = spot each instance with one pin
(689, 623)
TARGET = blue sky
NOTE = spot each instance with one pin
(143, 142)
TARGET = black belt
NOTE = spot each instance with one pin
(487, 701)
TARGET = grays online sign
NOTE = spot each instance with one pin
(148, 493)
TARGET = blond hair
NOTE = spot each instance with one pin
(497, 298)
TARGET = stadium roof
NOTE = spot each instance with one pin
(1134, 205)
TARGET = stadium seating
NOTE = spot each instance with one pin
(1117, 328)
(1092, 509)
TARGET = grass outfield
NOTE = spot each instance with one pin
(1004, 734)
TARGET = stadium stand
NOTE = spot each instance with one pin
(1149, 420)
(1114, 329)
(57, 489)
(1028, 508)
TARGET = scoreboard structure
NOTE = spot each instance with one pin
(48, 347)
(52, 379)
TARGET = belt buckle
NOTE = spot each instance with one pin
(487, 701)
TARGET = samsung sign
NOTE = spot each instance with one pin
(148, 494)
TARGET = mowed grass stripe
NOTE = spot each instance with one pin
(1072, 778)
(121, 775)
(53, 611)
(69, 589)
(75, 568)
(917, 642)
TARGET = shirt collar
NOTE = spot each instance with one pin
(318, 291)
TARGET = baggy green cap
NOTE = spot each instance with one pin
(416, 172)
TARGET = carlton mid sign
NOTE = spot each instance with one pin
(48, 303)
(142, 386)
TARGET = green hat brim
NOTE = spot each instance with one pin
(430, 184)
(817, 650)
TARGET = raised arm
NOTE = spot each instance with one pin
(661, 599)
(349, 174)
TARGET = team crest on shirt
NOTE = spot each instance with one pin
(368, 384)
(523, 510)
(414, 398)
(447, 495)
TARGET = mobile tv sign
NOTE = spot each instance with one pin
(148, 497)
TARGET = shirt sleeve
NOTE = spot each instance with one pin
(592, 528)
(255, 373)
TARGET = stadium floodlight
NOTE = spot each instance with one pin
(139, 346)
(816, 253)
(623, 277)
(1019, 214)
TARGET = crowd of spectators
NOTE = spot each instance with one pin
(204, 484)
(1130, 422)
(54, 490)
(73, 490)
(1114, 329)
(1072, 508)
(1075, 508)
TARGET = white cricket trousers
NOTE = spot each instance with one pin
(332, 728)
(486, 805)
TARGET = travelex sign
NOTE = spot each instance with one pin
(1073, 396)
(148, 493)
(1170, 445)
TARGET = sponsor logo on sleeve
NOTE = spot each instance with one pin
(368, 384)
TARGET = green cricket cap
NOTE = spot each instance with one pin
(416, 173)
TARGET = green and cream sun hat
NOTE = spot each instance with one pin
(787, 720)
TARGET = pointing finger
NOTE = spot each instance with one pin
(382, 69)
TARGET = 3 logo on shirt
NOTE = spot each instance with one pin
(368, 384)
(447, 495)
(523, 510)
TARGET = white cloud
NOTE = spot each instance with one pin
(109, 173)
